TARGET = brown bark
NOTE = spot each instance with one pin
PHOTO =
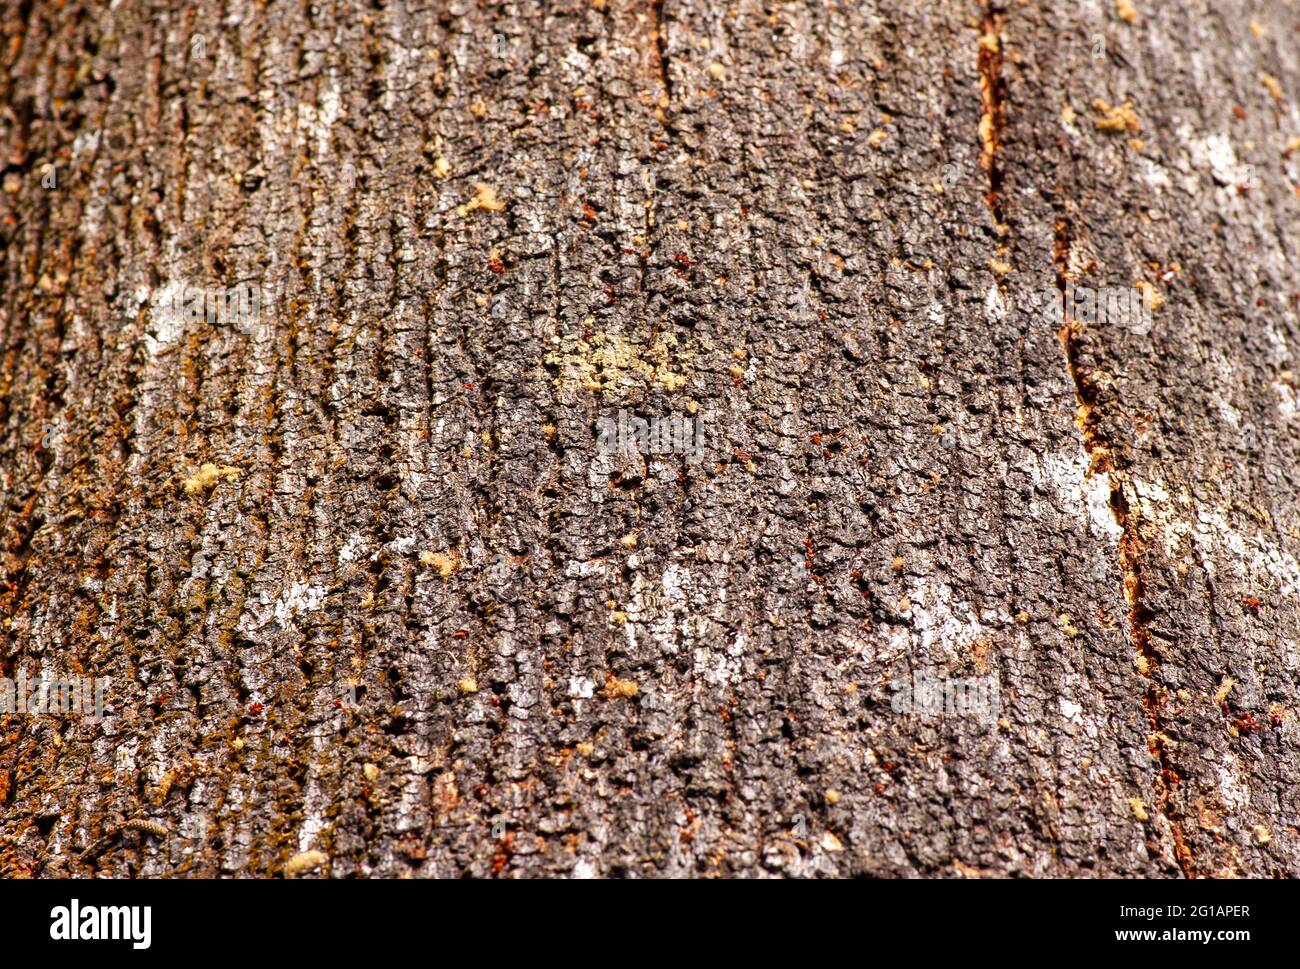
(414, 619)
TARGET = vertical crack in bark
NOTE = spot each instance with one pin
(660, 40)
(661, 50)
(1102, 459)
(993, 113)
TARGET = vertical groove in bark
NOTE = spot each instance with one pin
(993, 99)
(425, 605)
(1101, 460)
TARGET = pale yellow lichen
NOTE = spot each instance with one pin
(613, 364)
(1126, 11)
(1116, 119)
(614, 687)
(673, 381)
(485, 197)
(304, 861)
(1274, 88)
(445, 562)
(1224, 689)
(1151, 297)
(207, 477)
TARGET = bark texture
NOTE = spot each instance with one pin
(416, 621)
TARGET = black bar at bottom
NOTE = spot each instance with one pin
(242, 920)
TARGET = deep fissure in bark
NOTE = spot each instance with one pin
(1102, 459)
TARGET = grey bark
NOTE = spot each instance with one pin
(414, 619)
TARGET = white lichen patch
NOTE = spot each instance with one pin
(678, 612)
(1287, 400)
(1216, 154)
(995, 307)
(720, 667)
(941, 620)
(317, 121)
(86, 141)
(585, 570)
(315, 800)
(1066, 476)
(1071, 711)
(350, 551)
(402, 545)
(582, 687)
(1101, 516)
(1233, 784)
(1197, 533)
(1152, 174)
(166, 321)
(1279, 350)
(299, 599)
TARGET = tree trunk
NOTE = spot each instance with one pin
(970, 577)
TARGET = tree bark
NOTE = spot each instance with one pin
(364, 581)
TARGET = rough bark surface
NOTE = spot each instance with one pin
(427, 628)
